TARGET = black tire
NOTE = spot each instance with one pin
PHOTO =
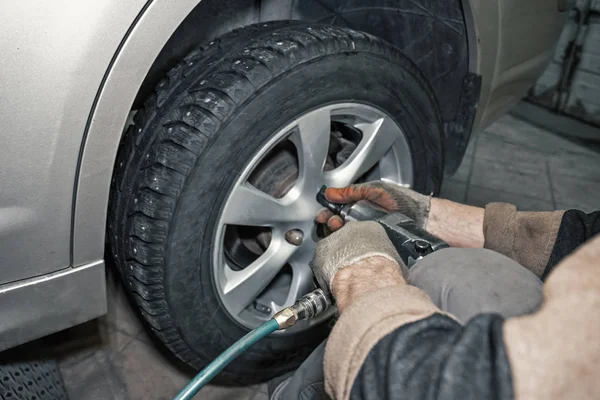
(177, 163)
(31, 380)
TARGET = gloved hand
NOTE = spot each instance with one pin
(388, 196)
(358, 241)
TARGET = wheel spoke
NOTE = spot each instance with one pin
(312, 143)
(302, 276)
(249, 206)
(378, 138)
(302, 283)
(243, 287)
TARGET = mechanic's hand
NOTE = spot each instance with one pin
(356, 242)
(389, 196)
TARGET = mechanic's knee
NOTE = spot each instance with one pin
(458, 266)
(466, 282)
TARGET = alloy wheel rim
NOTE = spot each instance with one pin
(248, 294)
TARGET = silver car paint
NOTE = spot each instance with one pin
(75, 68)
(515, 41)
(35, 307)
(54, 55)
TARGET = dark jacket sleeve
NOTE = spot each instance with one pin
(437, 358)
(576, 227)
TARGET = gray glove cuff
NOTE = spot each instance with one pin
(355, 242)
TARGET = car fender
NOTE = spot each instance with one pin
(139, 48)
(54, 57)
(510, 44)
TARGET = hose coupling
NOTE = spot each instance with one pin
(286, 318)
(309, 306)
(312, 304)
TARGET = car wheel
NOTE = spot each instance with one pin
(227, 157)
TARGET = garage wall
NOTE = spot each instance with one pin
(571, 83)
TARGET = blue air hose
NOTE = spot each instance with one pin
(225, 358)
(307, 307)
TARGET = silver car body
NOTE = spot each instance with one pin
(69, 73)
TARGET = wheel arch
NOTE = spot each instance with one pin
(130, 64)
(162, 34)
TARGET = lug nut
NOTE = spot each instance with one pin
(294, 236)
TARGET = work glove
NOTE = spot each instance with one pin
(389, 196)
(356, 242)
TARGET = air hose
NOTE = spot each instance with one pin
(307, 307)
(225, 358)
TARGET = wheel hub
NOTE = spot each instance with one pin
(266, 234)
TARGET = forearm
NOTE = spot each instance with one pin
(457, 224)
(373, 299)
(536, 240)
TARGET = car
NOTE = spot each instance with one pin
(192, 136)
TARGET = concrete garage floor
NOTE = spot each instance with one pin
(115, 358)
